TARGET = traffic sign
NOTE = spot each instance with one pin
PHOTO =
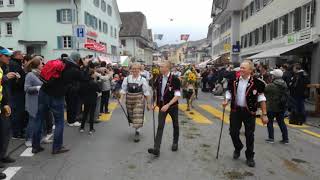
(79, 31)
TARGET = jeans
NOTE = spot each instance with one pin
(30, 127)
(105, 101)
(173, 111)
(249, 121)
(5, 135)
(280, 119)
(18, 113)
(56, 106)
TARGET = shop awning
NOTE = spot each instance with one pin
(277, 52)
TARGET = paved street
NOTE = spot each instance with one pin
(111, 153)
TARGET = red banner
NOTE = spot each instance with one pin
(185, 37)
(95, 46)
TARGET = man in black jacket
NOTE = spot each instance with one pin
(17, 95)
(51, 98)
(168, 92)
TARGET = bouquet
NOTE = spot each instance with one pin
(190, 77)
(155, 71)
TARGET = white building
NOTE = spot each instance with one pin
(46, 27)
(136, 38)
(272, 31)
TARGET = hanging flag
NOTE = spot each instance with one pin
(158, 36)
(185, 37)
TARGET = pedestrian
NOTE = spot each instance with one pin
(297, 88)
(145, 73)
(277, 96)
(136, 92)
(51, 98)
(17, 95)
(106, 79)
(32, 87)
(90, 90)
(244, 93)
(168, 91)
(5, 112)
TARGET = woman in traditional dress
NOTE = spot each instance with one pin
(135, 91)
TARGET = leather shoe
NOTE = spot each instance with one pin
(3, 176)
(236, 154)
(155, 152)
(37, 150)
(60, 151)
(174, 147)
(8, 160)
(251, 163)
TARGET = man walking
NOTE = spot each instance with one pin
(244, 93)
(168, 92)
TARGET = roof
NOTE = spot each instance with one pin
(132, 24)
(12, 14)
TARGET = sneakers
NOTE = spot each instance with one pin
(75, 124)
(3, 176)
(8, 160)
(137, 137)
(60, 151)
(37, 150)
(251, 163)
(271, 141)
(284, 142)
(92, 131)
(174, 147)
(28, 143)
(155, 152)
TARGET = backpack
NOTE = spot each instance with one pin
(52, 70)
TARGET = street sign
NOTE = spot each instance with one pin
(79, 31)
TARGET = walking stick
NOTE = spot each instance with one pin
(220, 133)
(124, 111)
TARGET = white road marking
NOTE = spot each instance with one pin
(11, 171)
(27, 153)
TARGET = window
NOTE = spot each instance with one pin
(242, 15)
(64, 16)
(246, 10)
(105, 28)
(111, 31)
(264, 33)
(94, 22)
(1, 2)
(113, 50)
(285, 19)
(100, 25)
(275, 28)
(96, 3)
(245, 41)
(297, 19)
(115, 32)
(11, 2)
(124, 43)
(65, 42)
(257, 3)
(256, 37)
(87, 18)
(103, 6)
(109, 10)
(269, 31)
(251, 8)
(250, 39)
(9, 28)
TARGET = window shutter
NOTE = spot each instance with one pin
(59, 42)
(313, 12)
(58, 15)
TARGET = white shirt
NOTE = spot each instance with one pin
(145, 74)
(241, 93)
(140, 80)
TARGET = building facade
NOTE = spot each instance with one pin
(136, 38)
(270, 31)
(47, 27)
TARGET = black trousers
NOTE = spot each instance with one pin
(173, 111)
(5, 135)
(236, 119)
(73, 103)
(105, 101)
(89, 109)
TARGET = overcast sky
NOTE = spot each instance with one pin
(189, 17)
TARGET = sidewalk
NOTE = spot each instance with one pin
(312, 121)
